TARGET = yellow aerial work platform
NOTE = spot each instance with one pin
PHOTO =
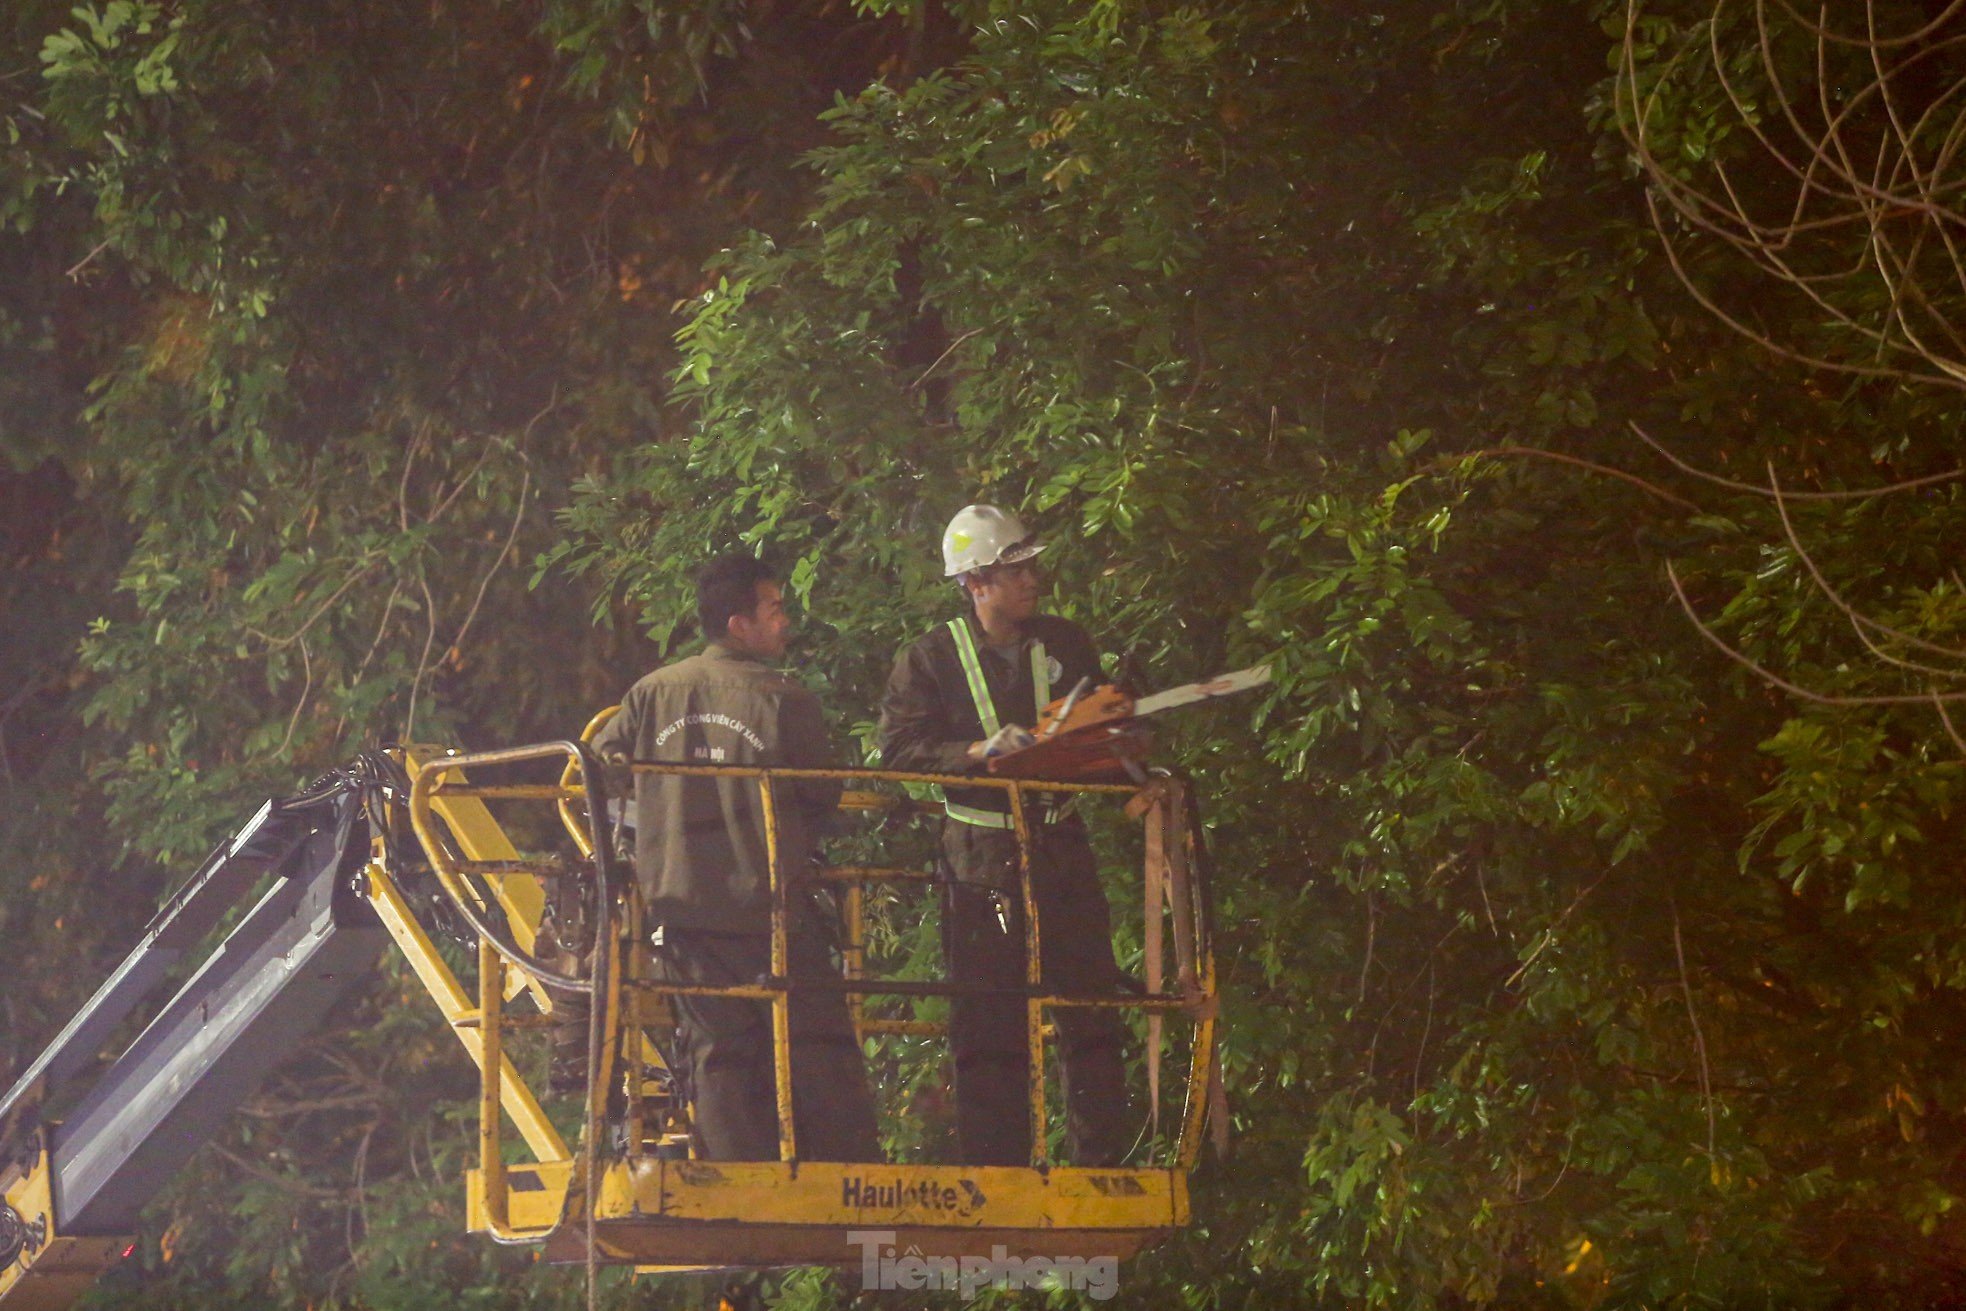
(632, 1194)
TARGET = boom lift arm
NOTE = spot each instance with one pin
(70, 1189)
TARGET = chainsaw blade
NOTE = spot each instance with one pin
(1188, 693)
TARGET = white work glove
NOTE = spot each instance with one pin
(1009, 738)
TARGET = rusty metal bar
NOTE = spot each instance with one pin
(857, 874)
(853, 956)
(1033, 974)
(856, 800)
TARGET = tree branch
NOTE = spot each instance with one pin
(1580, 463)
(1755, 489)
(1794, 689)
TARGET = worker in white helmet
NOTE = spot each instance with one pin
(970, 689)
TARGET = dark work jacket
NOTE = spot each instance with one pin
(929, 719)
(700, 842)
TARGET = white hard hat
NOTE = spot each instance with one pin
(983, 535)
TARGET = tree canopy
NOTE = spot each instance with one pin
(1585, 896)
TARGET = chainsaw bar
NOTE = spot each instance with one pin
(1207, 690)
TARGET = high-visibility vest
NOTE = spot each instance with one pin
(986, 711)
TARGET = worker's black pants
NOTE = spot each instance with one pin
(726, 1049)
(983, 943)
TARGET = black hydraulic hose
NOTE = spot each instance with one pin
(514, 954)
(603, 853)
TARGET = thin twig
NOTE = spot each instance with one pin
(1549, 934)
(280, 1181)
(1861, 171)
(88, 259)
(265, 1109)
(1372, 1047)
(423, 660)
(381, 627)
(1951, 732)
(1371, 932)
(518, 517)
(403, 484)
(463, 482)
(306, 691)
(361, 670)
(361, 1204)
(943, 356)
(1426, 1031)
(1569, 1148)
(278, 643)
(1692, 1015)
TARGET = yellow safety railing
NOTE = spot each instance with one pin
(1172, 880)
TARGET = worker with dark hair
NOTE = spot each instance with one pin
(969, 690)
(700, 861)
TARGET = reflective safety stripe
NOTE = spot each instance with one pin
(986, 710)
(979, 690)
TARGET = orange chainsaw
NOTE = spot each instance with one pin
(1096, 733)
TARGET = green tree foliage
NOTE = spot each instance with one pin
(1289, 342)
(1567, 963)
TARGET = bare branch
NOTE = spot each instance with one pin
(943, 356)
(1794, 689)
(1945, 717)
(518, 517)
(423, 659)
(1822, 32)
(1872, 189)
(1692, 1015)
(88, 259)
(277, 643)
(306, 691)
(1755, 489)
(280, 1181)
(1863, 624)
(463, 482)
(1593, 466)
(1549, 933)
(265, 1108)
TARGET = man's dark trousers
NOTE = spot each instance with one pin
(726, 1048)
(983, 944)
